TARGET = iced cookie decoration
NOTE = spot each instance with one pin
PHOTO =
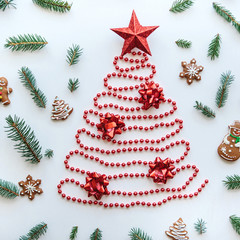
(177, 231)
(229, 149)
(61, 110)
(4, 91)
(191, 71)
(30, 187)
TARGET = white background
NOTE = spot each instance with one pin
(88, 24)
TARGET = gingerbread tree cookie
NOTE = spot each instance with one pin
(61, 110)
(4, 91)
(177, 231)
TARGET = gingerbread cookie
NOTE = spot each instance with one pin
(229, 149)
(4, 91)
(177, 231)
(191, 71)
(61, 110)
(30, 187)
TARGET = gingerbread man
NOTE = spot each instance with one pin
(4, 91)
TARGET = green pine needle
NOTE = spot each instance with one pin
(54, 5)
(29, 81)
(232, 182)
(222, 93)
(26, 42)
(8, 189)
(138, 234)
(6, 4)
(214, 47)
(181, 5)
(200, 226)
(73, 84)
(227, 15)
(183, 43)
(73, 234)
(49, 153)
(27, 144)
(235, 221)
(96, 235)
(35, 232)
(205, 110)
(73, 54)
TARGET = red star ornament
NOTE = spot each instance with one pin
(135, 35)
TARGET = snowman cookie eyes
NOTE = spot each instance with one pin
(236, 131)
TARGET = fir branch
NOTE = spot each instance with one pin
(232, 182)
(181, 5)
(183, 43)
(235, 221)
(138, 234)
(74, 232)
(8, 189)
(214, 47)
(29, 81)
(227, 15)
(222, 93)
(54, 5)
(73, 54)
(35, 232)
(200, 226)
(27, 144)
(96, 235)
(73, 84)
(205, 110)
(6, 4)
(49, 153)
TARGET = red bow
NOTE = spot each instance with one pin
(110, 125)
(96, 185)
(151, 96)
(161, 170)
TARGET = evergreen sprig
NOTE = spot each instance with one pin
(181, 5)
(49, 153)
(26, 42)
(96, 235)
(73, 234)
(222, 92)
(8, 190)
(214, 47)
(227, 15)
(27, 143)
(29, 81)
(183, 43)
(6, 4)
(235, 221)
(138, 234)
(205, 110)
(73, 54)
(200, 226)
(73, 84)
(54, 5)
(232, 182)
(35, 232)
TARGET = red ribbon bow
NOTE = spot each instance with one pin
(110, 125)
(161, 170)
(151, 96)
(96, 185)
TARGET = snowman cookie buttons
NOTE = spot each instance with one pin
(229, 149)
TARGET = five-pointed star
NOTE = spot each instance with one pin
(135, 35)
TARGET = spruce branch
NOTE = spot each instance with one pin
(138, 234)
(27, 143)
(214, 47)
(8, 189)
(181, 5)
(73, 84)
(96, 235)
(235, 221)
(183, 43)
(54, 5)
(73, 234)
(49, 153)
(232, 182)
(6, 4)
(205, 110)
(73, 54)
(222, 92)
(29, 81)
(26, 42)
(35, 232)
(200, 226)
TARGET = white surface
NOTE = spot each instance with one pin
(88, 24)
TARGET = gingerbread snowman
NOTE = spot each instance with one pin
(229, 149)
(4, 91)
